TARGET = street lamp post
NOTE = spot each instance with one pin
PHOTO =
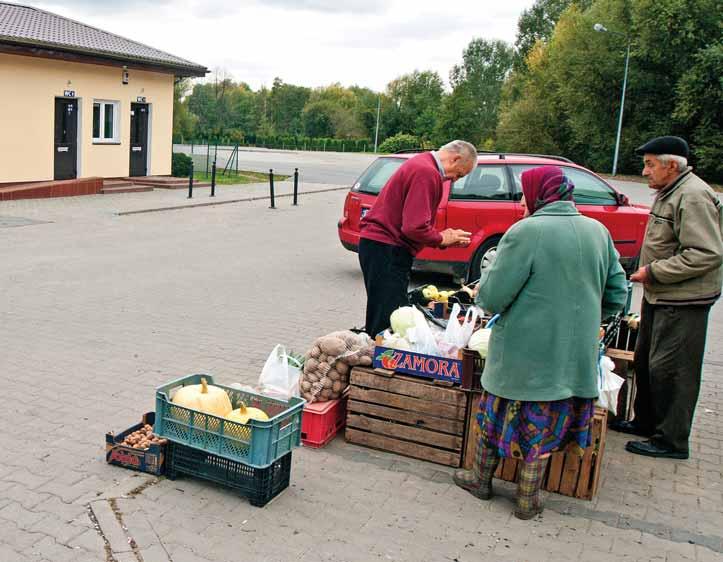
(376, 134)
(602, 29)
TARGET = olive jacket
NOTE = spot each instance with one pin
(683, 248)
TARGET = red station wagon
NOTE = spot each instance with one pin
(487, 202)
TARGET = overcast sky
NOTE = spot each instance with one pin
(305, 42)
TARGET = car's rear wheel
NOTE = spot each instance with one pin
(483, 257)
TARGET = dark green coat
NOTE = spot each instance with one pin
(556, 275)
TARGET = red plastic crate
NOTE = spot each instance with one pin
(321, 421)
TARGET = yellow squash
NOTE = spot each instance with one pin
(242, 414)
(204, 398)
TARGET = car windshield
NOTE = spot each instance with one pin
(377, 175)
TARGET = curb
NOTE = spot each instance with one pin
(214, 203)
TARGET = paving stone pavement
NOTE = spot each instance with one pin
(98, 309)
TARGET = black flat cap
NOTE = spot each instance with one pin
(665, 145)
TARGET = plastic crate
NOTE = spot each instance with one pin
(257, 443)
(472, 367)
(259, 485)
(321, 422)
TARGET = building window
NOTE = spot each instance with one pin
(105, 122)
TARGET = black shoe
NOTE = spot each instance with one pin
(629, 427)
(650, 449)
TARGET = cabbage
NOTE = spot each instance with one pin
(401, 320)
(479, 341)
(395, 341)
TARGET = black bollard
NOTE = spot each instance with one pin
(296, 186)
(213, 179)
(271, 188)
(190, 183)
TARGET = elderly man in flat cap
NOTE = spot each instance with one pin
(680, 268)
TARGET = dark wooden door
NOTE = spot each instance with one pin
(139, 139)
(66, 139)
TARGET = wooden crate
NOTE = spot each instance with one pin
(406, 415)
(567, 473)
(623, 367)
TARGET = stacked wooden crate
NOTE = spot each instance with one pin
(406, 415)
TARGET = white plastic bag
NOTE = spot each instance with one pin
(458, 333)
(479, 341)
(609, 385)
(280, 375)
(421, 336)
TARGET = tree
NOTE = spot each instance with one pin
(286, 102)
(699, 109)
(415, 102)
(538, 24)
(318, 119)
(470, 112)
(184, 122)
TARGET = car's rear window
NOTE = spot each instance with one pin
(377, 175)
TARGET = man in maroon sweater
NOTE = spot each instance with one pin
(401, 223)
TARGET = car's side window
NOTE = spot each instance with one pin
(589, 190)
(485, 182)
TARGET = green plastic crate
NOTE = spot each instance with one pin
(257, 443)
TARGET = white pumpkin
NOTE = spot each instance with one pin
(204, 398)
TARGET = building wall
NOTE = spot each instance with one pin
(28, 88)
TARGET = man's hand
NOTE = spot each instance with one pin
(455, 237)
(641, 276)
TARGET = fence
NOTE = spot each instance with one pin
(286, 143)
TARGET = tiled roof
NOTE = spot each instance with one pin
(30, 26)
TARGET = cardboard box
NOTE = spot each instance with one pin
(418, 364)
(149, 460)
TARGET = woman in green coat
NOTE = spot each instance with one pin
(555, 278)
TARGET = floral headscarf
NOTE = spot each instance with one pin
(544, 185)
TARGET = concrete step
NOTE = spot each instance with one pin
(130, 188)
(117, 183)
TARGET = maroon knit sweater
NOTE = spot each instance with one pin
(406, 209)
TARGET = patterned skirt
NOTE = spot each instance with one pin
(528, 430)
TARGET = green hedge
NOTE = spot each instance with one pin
(180, 165)
(292, 143)
(400, 141)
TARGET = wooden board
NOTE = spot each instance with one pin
(406, 432)
(426, 421)
(620, 354)
(414, 450)
(472, 431)
(407, 403)
(408, 386)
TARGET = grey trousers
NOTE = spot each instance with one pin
(668, 363)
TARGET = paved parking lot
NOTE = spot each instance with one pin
(98, 309)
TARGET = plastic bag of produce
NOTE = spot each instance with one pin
(328, 362)
(280, 375)
(609, 385)
(479, 341)
(421, 337)
(458, 333)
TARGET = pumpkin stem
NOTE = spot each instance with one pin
(241, 408)
(204, 386)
